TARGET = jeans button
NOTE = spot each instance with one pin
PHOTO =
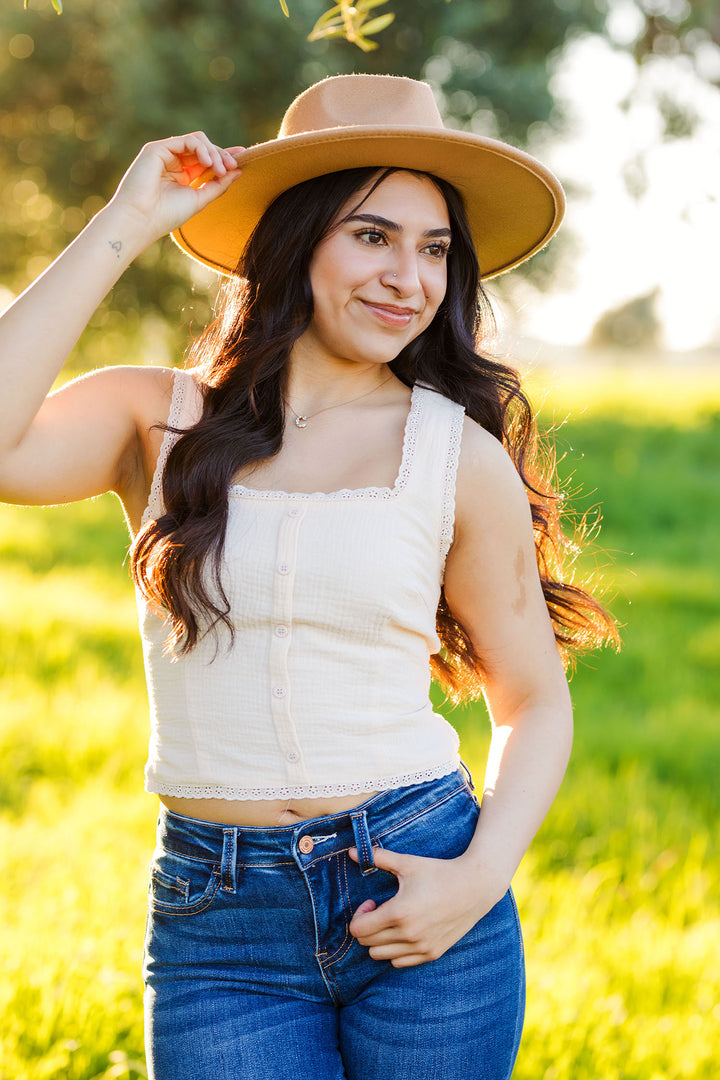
(306, 844)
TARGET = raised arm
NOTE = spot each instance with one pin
(77, 442)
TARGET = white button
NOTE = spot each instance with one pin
(292, 755)
(281, 631)
(283, 568)
(294, 511)
(279, 691)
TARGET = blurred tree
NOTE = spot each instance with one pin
(632, 325)
(83, 92)
(658, 31)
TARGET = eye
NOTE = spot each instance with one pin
(437, 250)
(372, 237)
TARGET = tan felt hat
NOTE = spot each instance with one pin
(514, 203)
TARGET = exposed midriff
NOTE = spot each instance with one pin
(264, 813)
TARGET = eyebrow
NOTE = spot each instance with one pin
(392, 226)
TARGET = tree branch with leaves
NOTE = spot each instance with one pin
(348, 20)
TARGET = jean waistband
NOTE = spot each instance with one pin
(313, 838)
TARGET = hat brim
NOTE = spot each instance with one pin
(514, 204)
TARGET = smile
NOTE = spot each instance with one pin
(390, 314)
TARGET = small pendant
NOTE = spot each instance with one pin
(301, 421)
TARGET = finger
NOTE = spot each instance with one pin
(232, 153)
(409, 961)
(366, 925)
(395, 950)
(196, 147)
(367, 905)
(212, 186)
(194, 151)
(394, 861)
(215, 187)
(393, 935)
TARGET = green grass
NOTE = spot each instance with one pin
(619, 894)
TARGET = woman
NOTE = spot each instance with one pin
(319, 505)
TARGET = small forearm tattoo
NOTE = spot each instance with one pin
(116, 245)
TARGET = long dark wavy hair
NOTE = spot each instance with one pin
(241, 361)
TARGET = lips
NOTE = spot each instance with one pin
(390, 314)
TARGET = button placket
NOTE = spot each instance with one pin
(281, 640)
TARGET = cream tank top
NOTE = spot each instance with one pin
(325, 688)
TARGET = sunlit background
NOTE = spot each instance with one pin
(620, 97)
(647, 210)
(616, 324)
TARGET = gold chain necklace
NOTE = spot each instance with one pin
(302, 421)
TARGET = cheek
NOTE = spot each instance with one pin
(435, 289)
(440, 284)
(330, 286)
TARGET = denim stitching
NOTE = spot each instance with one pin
(348, 940)
(314, 909)
(335, 959)
(284, 862)
(364, 843)
(170, 881)
(191, 858)
(194, 909)
(325, 855)
(425, 810)
(361, 837)
(229, 859)
(319, 956)
(346, 907)
(333, 986)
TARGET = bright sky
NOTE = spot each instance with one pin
(669, 237)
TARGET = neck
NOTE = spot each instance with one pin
(313, 382)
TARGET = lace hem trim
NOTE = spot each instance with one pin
(408, 453)
(447, 519)
(313, 791)
(154, 507)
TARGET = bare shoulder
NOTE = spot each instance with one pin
(130, 386)
(144, 392)
(488, 483)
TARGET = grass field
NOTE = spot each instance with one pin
(619, 894)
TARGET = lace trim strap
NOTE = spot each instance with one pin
(317, 791)
(447, 517)
(154, 508)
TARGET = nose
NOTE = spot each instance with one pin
(402, 274)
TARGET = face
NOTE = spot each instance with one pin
(378, 278)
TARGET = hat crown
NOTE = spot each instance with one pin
(362, 100)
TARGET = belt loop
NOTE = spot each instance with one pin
(228, 862)
(363, 843)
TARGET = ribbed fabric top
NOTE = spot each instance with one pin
(325, 688)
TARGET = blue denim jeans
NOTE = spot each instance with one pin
(251, 973)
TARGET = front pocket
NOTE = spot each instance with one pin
(180, 885)
(443, 831)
